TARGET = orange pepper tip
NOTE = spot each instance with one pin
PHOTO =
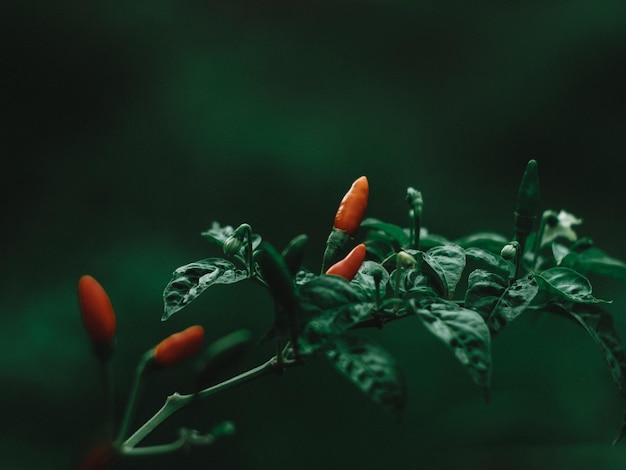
(179, 346)
(96, 310)
(349, 266)
(352, 207)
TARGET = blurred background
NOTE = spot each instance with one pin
(129, 128)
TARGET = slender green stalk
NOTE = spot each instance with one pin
(547, 215)
(248, 231)
(176, 401)
(130, 406)
(107, 391)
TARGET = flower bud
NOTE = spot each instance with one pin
(509, 251)
(405, 260)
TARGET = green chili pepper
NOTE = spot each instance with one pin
(293, 253)
(280, 282)
(527, 205)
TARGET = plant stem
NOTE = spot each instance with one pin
(248, 230)
(548, 214)
(130, 406)
(176, 401)
(107, 390)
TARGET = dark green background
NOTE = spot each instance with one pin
(130, 127)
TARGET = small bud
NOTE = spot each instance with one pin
(509, 251)
(405, 260)
(232, 245)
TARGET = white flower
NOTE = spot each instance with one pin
(562, 227)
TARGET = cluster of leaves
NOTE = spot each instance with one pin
(463, 291)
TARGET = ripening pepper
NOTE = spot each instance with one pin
(96, 311)
(349, 266)
(179, 346)
(352, 207)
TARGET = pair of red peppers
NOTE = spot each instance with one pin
(100, 322)
(348, 219)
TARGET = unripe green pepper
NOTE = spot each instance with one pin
(527, 205)
(293, 254)
(280, 282)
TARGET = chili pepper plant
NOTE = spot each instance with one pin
(373, 272)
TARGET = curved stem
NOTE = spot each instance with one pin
(176, 401)
(107, 390)
(130, 406)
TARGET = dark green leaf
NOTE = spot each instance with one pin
(599, 325)
(410, 278)
(512, 303)
(463, 331)
(329, 305)
(493, 261)
(371, 368)
(189, 281)
(397, 233)
(488, 241)
(595, 261)
(366, 279)
(484, 290)
(567, 284)
(446, 263)
(430, 240)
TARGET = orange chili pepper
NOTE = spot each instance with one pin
(96, 311)
(352, 207)
(179, 346)
(349, 266)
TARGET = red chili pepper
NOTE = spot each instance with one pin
(352, 207)
(179, 346)
(349, 266)
(96, 311)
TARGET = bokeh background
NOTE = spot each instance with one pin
(130, 127)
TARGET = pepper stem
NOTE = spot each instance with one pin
(135, 390)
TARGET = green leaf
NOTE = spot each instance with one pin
(567, 284)
(484, 290)
(595, 261)
(431, 240)
(446, 263)
(365, 279)
(488, 241)
(495, 262)
(411, 278)
(512, 303)
(329, 305)
(599, 324)
(189, 281)
(463, 331)
(371, 368)
(397, 233)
